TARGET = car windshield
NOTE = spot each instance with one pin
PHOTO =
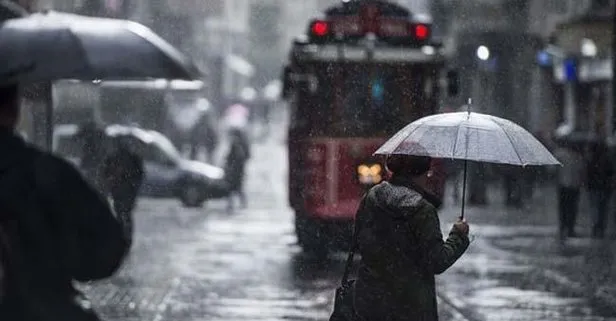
(165, 145)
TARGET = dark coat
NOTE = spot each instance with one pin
(124, 173)
(402, 249)
(235, 164)
(600, 168)
(66, 229)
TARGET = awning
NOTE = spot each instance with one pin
(584, 70)
(239, 65)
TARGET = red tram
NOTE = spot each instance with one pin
(362, 72)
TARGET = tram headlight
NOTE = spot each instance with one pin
(370, 174)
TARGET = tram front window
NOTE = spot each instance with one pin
(367, 100)
(370, 101)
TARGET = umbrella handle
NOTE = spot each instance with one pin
(464, 189)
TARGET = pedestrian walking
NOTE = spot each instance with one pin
(235, 166)
(600, 176)
(55, 228)
(204, 133)
(237, 116)
(123, 171)
(570, 179)
(93, 151)
(513, 179)
(455, 171)
(401, 245)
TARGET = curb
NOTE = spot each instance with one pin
(574, 287)
(604, 296)
(456, 307)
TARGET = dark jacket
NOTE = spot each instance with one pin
(123, 171)
(402, 248)
(600, 168)
(238, 155)
(66, 230)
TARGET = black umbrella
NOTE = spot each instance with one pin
(11, 10)
(48, 46)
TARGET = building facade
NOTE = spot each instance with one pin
(578, 58)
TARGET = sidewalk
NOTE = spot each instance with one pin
(578, 266)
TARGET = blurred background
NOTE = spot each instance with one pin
(520, 43)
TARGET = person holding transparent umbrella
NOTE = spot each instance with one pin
(402, 247)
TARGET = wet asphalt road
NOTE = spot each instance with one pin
(207, 264)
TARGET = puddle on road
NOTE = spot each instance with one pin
(543, 246)
(483, 266)
(497, 288)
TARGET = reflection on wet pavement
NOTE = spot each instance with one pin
(498, 285)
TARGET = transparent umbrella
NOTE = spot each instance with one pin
(469, 136)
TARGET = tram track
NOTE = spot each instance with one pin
(455, 308)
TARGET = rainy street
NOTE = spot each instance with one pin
(503, 109)
(210, 265)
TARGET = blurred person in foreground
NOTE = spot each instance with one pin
(570, 178)
(123, 171)
(55, 228)
(401, 245)
(235, 166)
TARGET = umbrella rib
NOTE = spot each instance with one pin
(511, 141)
(82, 48)
(170, 53)
(455, 143)
(405, 137)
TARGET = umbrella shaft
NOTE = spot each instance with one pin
(464, 188)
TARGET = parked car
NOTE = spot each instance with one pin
(167, 173)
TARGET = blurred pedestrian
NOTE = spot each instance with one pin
(570, 178)
(235, 165)
(237, 116)
(600, 175)
(513, 177)
(205, 132)
(54, 229)
(455, 170)
(123, 171)
(398, 235)
(93, 141)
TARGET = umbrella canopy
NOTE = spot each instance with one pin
(469, 136)
(50, 45)
(10, 10)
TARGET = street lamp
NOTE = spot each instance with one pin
(588, 48)
(483, 53)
